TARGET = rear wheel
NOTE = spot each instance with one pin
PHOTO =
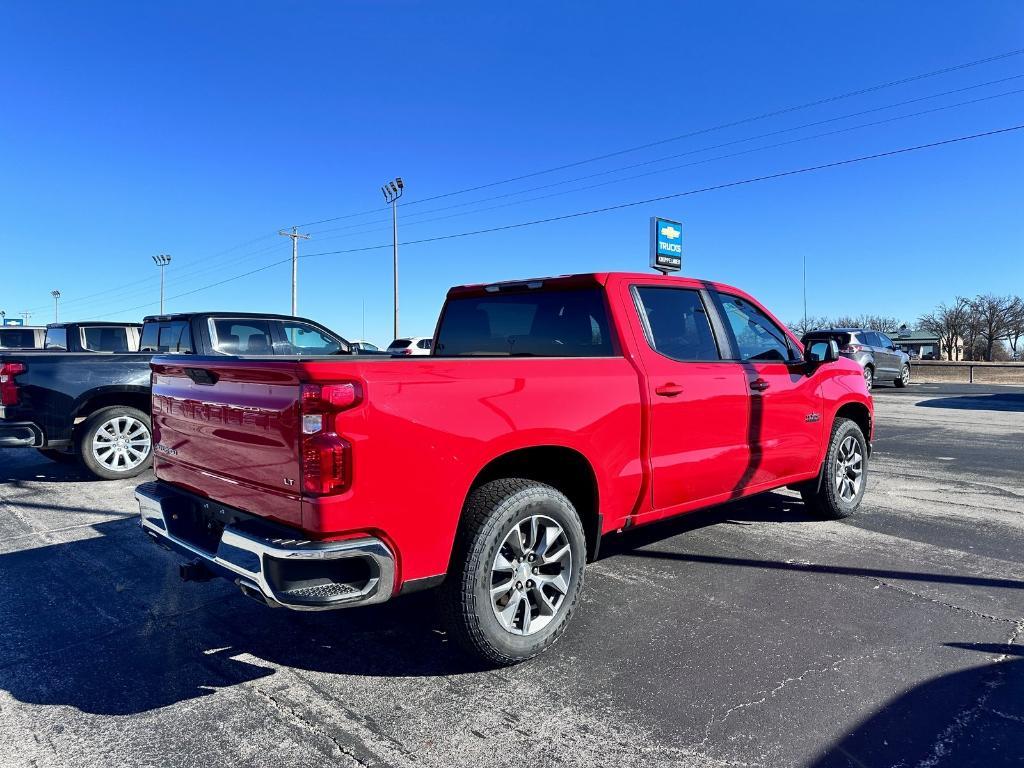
(869, 376)
(116, 442)
(840, 489)
(904, 377)
(517, 570)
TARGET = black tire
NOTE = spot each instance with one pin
(869, 376)
(822, 496)
(904, 378)
(61, 457)
(87, 433)
(491, 512)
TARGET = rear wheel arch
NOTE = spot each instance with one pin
(564, 469)
(134, 397)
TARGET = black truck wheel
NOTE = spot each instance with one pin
(838, 492)
(517, 570)
(116, 442)
(60, 456)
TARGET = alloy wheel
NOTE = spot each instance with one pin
(849, 469)
(121, 443)
(905, 375)
(530, 575)
(869, 377)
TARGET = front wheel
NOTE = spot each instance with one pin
(116, 443)
(838, 492)
(904, 377)
(517, 570)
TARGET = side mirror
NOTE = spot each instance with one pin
(818, 351)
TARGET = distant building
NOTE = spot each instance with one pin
(923, 345)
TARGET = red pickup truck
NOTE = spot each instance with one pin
(550, 412)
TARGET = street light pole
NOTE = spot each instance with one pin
(392, 191)
(295, 236)
(162, 261)
(56, 309)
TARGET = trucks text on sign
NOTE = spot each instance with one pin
(666, 244)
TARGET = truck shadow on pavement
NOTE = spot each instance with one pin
(974, 717)
(102, 624)
(1003, 401)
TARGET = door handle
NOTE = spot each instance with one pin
(759, 385)
(668, 390)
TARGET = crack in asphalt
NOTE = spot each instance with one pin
(966, 716)
(297, 717)
(943, 603)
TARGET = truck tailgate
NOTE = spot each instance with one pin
(228, 429)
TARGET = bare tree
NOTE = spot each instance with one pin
(950, 324)
(810, 323)
(993, 316)
(1015, 329)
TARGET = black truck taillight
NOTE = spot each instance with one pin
(8, 386)
(326, 457)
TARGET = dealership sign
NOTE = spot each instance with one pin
(666, 245)
(13, 321)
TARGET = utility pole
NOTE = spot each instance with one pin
(805, 294)
(392, 191)
(162, 261)
(26, 314)
(295, 236)
(56, 301)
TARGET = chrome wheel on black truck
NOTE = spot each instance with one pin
(116, 442)
(517, 570)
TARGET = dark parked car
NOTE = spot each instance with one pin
(877, 355)
(86, 397)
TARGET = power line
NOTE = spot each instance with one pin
(707, 148)
(698, 132)
(607, 209)
(691, 164)
(674, 195)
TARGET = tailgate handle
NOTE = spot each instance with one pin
(202, 376)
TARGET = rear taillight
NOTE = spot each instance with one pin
(326, 457)
(406, 351)
(8, 386)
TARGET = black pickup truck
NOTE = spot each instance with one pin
(92, 405)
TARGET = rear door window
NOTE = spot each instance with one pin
(755, 336)
(241, 337)
(677, 323)
(533, 323)
(304, 339)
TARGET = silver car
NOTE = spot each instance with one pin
(875, 352)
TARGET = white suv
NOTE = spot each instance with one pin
(413, 345)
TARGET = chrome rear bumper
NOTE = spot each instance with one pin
(294, 573)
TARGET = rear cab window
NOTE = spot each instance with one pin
(102, 338)
(526, 323)
(170, 338)
(56, 338)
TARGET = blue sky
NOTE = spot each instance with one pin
(199, 129)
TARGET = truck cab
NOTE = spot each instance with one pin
(93, 337)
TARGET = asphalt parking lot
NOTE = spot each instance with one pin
(744, 636)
